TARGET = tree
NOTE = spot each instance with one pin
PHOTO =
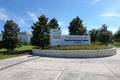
(116, 36)
(1, 44)
(104, 35)
(10, 35)
(40, 33)
(76, 27)
(94, 35)
(53, 24)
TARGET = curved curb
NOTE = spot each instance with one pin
(75, 53)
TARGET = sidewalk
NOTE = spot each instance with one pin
(5, 63)
(46, 68)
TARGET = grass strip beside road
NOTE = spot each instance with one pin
(25, 49)
(117, 46)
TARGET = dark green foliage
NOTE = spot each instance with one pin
(116, 36)
(10, 35)
(76, 27)
(53, 24)
(1, 44)
(93, 34)
(101, 35)
(104, 35)
(40, 33)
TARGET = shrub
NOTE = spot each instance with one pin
(82, 47)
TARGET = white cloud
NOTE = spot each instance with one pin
(95, 1)
(112, 10)
(110, 15)
(3, 15)
(32, 15)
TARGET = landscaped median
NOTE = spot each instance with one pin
(75, 53)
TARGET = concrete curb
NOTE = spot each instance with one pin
(75, 53)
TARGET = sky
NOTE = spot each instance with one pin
(94, 13)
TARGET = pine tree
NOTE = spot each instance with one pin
(53, 24)
(104, 35)
(40, 33)
(10, 35)
(76, 27)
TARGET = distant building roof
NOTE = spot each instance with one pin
(25, 32)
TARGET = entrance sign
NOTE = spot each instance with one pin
(56, 39)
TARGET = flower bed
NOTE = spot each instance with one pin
(82, 47)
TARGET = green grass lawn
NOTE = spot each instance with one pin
(25, 49)
(117, 46)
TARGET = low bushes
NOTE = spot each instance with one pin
(83, 47)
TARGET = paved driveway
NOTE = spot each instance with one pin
(44, 68)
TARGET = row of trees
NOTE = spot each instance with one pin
(104, 35)
(101, 35)
(41, 31)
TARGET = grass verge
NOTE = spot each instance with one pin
(25, 49)
(117, 46)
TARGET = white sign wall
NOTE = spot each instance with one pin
(56, 39)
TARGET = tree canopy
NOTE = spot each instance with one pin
(102, 35)
(10, 35)
(116, 36)
(94, 35)
(53, 24)
(76, 27)
(40, 33)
